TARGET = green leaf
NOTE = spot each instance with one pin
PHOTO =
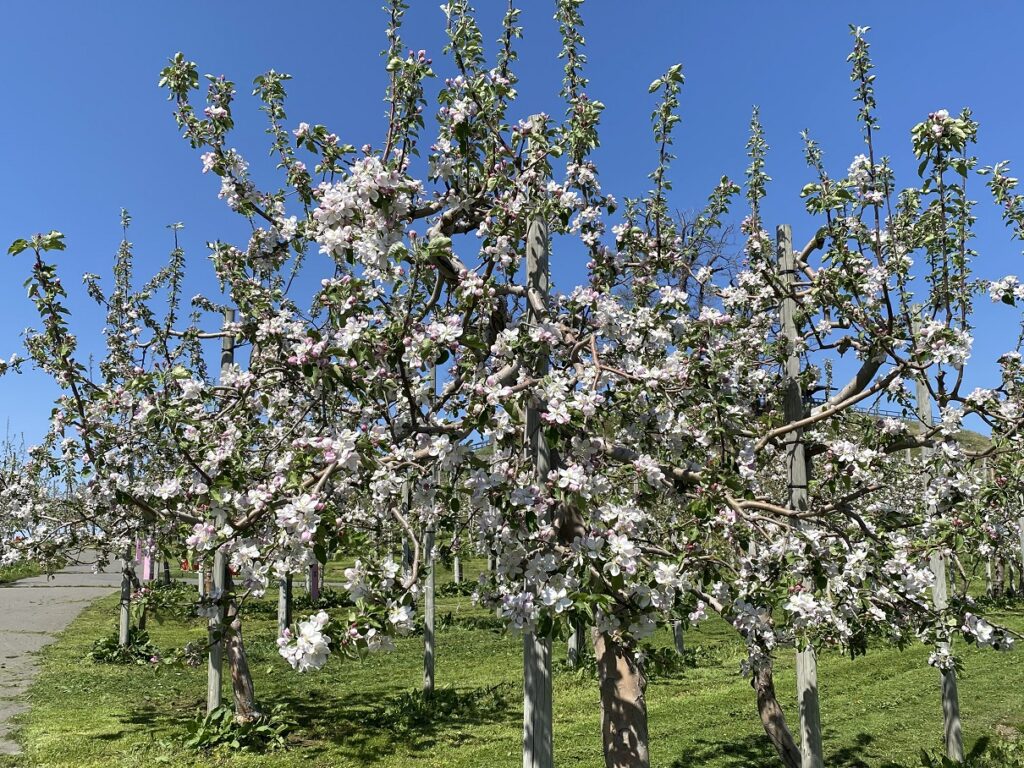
(17, 247)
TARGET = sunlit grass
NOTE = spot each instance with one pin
(878, 710)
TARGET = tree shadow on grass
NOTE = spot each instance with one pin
(402, 721)
(364, 728)
(748, 752)
(756, 751)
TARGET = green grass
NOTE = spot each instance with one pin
(878, 710)
(9, 573)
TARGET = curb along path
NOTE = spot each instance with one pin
(32, 611)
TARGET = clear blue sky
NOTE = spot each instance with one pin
(87, 131)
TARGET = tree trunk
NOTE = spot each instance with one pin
(125, 620)
(428, 614)
(457, 570)
(623, 705)
(773, 718)
(241, 679)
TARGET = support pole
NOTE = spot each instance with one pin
(284, 603)
(575, 645)
(218, 622)
(952, 731)
(313, 582)
(538, 741)
(796, 463)
(677, 637)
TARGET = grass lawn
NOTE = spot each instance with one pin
(878, 711)
(9, 573)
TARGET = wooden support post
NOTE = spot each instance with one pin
(218, 622)
(796, 463)
(457, 569)
(952, 731)
(538, 741)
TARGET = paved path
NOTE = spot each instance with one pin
(31, 612)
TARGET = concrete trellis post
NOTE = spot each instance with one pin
(952, 731)
(218, 622)
(678, 639)
(576, 643)
(796, 463)
(284, 603)
(313, 581)
(538, 742)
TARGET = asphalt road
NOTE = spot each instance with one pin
(32, 611)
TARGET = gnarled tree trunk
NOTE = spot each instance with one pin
(773, 718)
(241, 678)
(623, 705)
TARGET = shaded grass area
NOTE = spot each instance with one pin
(878, 710)
(9, 573)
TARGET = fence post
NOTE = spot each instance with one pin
(796, 462)
(952, 731)
(538, 741)
(218, 622)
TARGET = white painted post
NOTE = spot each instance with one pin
(538, 740)
(457, 569)
(796, 462)
(952, 731)
(218, 622)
